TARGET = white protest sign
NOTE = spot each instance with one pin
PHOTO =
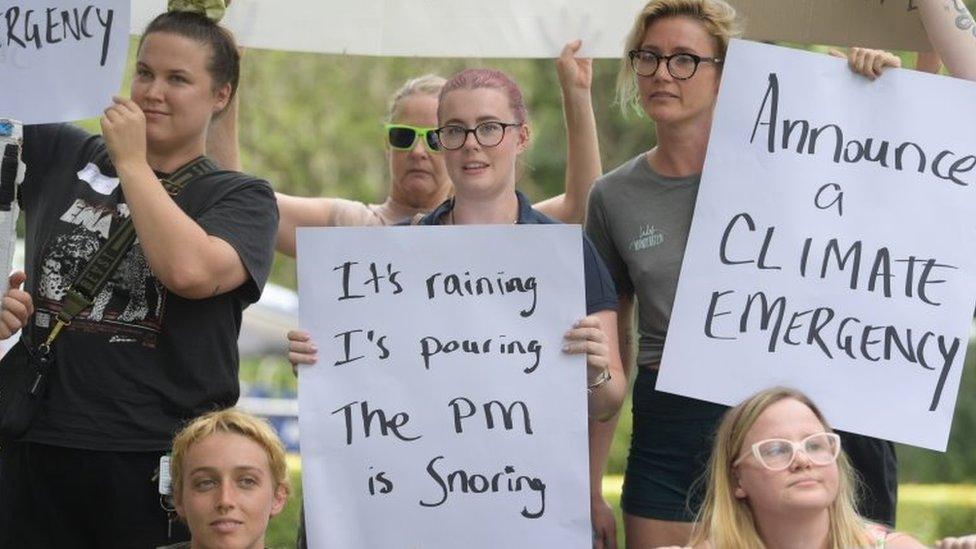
(540, 28)
(425, 28)
(442, 411)
(61, 60)
(831, 248)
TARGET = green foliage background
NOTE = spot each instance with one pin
(312, 125)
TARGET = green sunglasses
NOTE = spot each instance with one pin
(402, 137)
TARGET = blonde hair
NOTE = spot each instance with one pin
(234, 421)
(717, 16)
(428, 84)
(727, 521)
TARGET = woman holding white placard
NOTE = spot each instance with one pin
(639, 217)
(483, 130)
(181, 246)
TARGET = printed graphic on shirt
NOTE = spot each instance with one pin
(130, 306)
(100, 183)
(647, 238)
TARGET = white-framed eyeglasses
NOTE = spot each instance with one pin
(777, 454)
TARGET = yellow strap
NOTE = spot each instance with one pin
(55, 331)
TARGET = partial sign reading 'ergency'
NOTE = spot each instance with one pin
(61, 60)
(28, 28)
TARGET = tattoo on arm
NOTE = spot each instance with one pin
(964, 19)
(216, 290)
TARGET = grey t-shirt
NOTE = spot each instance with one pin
(639, 221)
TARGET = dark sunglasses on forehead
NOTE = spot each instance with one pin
(402, 137)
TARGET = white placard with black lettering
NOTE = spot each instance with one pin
(61, 60)
(539, 28)
(849, 206)
(442, 411)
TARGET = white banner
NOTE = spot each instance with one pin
(536, 28)
(442, 411)
(61, 60)
(831, 247)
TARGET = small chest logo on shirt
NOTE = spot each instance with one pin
(648, 238)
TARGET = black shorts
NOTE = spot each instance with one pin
(876, 468)
(669, 451)
(65, 497)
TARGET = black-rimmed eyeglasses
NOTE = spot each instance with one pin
(488, 134)
(681, 66)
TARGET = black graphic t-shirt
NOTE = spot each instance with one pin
(141, 359)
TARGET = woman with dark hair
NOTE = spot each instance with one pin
(158, 344)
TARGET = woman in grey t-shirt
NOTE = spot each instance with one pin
(639, 217)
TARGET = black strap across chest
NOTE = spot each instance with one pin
(106, 260)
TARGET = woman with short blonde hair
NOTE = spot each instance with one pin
(229, 478)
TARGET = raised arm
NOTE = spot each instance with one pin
(299, 211)
(185, 259)
(583, 164)
(928, 61)
(223, 146)
(952, 31)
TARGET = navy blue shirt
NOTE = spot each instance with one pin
(601, 294)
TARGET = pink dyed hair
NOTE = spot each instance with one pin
(472, 79)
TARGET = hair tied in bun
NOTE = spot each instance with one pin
(211, 9)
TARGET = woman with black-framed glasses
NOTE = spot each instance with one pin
(681, 65)
(418, 180)
(484, 129)
(778, 474)
(639, 217)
